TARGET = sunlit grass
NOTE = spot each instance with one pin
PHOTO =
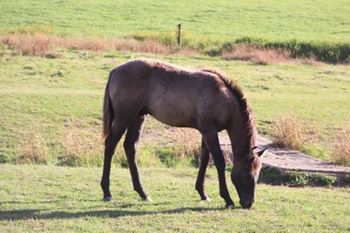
(56, 199)
(48, 92)
(319, 21)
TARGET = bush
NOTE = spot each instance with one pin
(326, 52)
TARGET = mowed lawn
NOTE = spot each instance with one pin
(58, 199)
(222, 21)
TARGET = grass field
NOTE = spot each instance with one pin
(41, 97)
(226, 20)
(319, 29)
(50, 111)
(57, 199)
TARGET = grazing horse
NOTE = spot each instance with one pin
(201, 99)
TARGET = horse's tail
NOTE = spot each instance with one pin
(108, 113)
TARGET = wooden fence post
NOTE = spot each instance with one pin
(179, 34)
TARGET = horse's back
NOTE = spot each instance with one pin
(175, 95)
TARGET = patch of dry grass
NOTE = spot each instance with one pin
(145, 46)
(90, 44)
(341, 148)
(293, 132)
(38, 44)
(263, 56)
(187, 142)
(29, 45)
(44, 45)
(33, 148)
(82, 144)
(184, 141)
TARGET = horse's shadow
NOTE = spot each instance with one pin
(25, 214)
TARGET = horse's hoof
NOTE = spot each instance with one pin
(206, 199)
(108, 198)
(229, 206)
(147, 199)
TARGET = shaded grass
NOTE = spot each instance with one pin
(270, 175)
(56, 199)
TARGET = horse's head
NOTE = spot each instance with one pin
(245, 175)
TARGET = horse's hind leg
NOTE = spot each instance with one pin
(212, 142)
(111, 142)
(204, 159)
(131, 138)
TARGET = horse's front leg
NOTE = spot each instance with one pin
(203, 164)
(212, 142)
(131, 138)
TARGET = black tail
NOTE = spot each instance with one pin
(108, 113)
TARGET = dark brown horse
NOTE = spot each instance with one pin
(202, 99)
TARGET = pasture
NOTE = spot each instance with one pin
(318, 29)
(219, 21)
(46, 99)
(51, 112)
(56, 199)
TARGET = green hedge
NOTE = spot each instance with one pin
(327, 52)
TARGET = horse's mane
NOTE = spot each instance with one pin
(246, 111)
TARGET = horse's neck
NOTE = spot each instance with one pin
(241, 142)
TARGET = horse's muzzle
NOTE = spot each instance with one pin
(246, 204)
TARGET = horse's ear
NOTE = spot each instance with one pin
(251, 152)
(262, 152)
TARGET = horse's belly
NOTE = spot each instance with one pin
(173, 115)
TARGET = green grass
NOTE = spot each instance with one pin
(34, 99)
(319, 29)
(57, 199)
(319, 20)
